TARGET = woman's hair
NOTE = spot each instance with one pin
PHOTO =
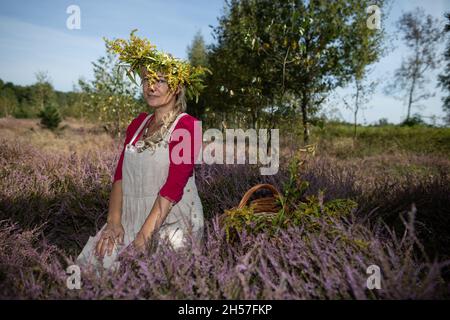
(168, 119)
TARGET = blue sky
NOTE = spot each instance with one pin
(34, 37)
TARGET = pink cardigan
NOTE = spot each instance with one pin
(179, 174)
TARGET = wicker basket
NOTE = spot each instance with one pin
(261, 206)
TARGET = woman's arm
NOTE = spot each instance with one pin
(115, 203)
(114, 232)
(160, 210)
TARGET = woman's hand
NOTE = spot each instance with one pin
(112, 234)
(140, 241)
(155, 219)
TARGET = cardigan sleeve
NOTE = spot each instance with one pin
(179, 174)
(131, 129)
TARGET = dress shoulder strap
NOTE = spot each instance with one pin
(174, 124)
(143, 123)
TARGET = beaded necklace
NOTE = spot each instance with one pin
(142, 144)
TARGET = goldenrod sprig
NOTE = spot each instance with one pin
(138, 53)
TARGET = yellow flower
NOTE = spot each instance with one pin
(137, 53)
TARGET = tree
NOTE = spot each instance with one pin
(362, 95)
(50, 116)
(414, 120)
(421, 34)
(42, 93)
(8, 99)
(235, 91)
(197, 53)
(444, 78)
(306, 48)
(29, 101)
(363, 56)
(198, 56)
(382, 122)
(111, 96)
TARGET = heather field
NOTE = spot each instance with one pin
(383, 200)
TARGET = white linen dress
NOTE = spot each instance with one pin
(143, 175)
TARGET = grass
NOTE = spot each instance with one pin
(337, 139)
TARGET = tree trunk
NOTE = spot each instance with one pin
(413, 84)
(305, 120)
(271, 126)
(358, 91)
(410, 98)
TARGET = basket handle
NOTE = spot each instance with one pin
(255, 188)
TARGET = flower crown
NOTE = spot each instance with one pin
(137, 53)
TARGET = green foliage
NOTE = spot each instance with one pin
(43, 93)
(272, 55)
(415, 120)
(310, 214)
(197, 53)
(297, 209)
(336, 140)
(8, 101)
(383, 122)
(22, 112)
(110, 98)
(294, 188)
(422, 34)
(313, 209)
(27, 101)
(444, 77)
(50, 117)
(198, 56)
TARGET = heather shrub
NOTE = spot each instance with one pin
(66, 195)
(29, 267)
(221, 187)
(296, 264)
(51, 202)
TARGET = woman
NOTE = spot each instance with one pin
(152, 196)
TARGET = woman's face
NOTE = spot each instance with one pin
(158, 94)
